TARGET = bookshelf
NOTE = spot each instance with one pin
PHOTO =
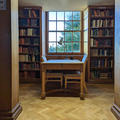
(30, 44)
(100, 44)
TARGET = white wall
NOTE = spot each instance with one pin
(64, 4)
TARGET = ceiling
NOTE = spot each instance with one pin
(64, 4)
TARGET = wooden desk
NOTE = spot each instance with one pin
(63, 65)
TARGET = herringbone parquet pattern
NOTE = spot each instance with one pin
(96, 106)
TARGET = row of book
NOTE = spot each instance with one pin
(100, 43)
(102, 23)
(102, 63)
(29, 32)
(28, 22)
(102, 32)
(29, 50)
(28, 75)
(29, 58)
(102, 12)
(101, 75)
(101, 52)
(29, 41)
(29, 13)
(33, 66)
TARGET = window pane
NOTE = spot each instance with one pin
(52, 47)
(76, 15)
(60, 26)
(76, 25)
(68, 47)
(76, 36)
(52, 15)
(76, 46)
(52, 36)
(68, 15)
(68, 36)
(68, 25)
(52, 25)
(60, 15)
(60, 37)
(60, 47)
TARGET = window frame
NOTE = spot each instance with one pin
(47, 39)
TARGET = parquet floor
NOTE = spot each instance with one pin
(96, 106)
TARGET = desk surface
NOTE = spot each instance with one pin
(63, 61)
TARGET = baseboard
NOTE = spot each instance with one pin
(11, 115)
(116, 111)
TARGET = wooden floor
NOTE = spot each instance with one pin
(96, 106)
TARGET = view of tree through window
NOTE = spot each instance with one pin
(64, 34)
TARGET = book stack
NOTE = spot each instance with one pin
(29, 58)
(33, 66)
(102, 63)
(102, 12)
(102, 32)
(102, 23)
(101, 75)
(34, 22)
(29, 13)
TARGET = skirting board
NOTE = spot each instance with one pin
(116, 111)
(11, 115)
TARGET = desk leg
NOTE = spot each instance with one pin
(82, 87)
(43, 94)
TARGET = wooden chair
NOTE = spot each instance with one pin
(74, 78)
(77, 78)
(53, 76)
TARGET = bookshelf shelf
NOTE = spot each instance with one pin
(102, 27)
(30, 36)
(101, 56)
(99, 17)
(27, 54)
(29, 70)
(100, 43)
(29, 27)
(21, 17)
(101, 68)
(103, 47)
(30, 62)
(102, 37)
(30, 45)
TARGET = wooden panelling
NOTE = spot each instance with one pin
(116, 106)
(5, 58)
(9, 82)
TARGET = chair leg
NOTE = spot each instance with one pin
(85, 87)
(61, 82)
(82, 87)
(65, 82)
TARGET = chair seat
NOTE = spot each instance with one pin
(75, 74)
(54, 74)
(72, 75)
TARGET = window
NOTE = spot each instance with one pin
(64, 32)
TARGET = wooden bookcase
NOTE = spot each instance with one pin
(30, 45)
(100, 44)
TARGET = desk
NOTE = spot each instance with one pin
(64, 64)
